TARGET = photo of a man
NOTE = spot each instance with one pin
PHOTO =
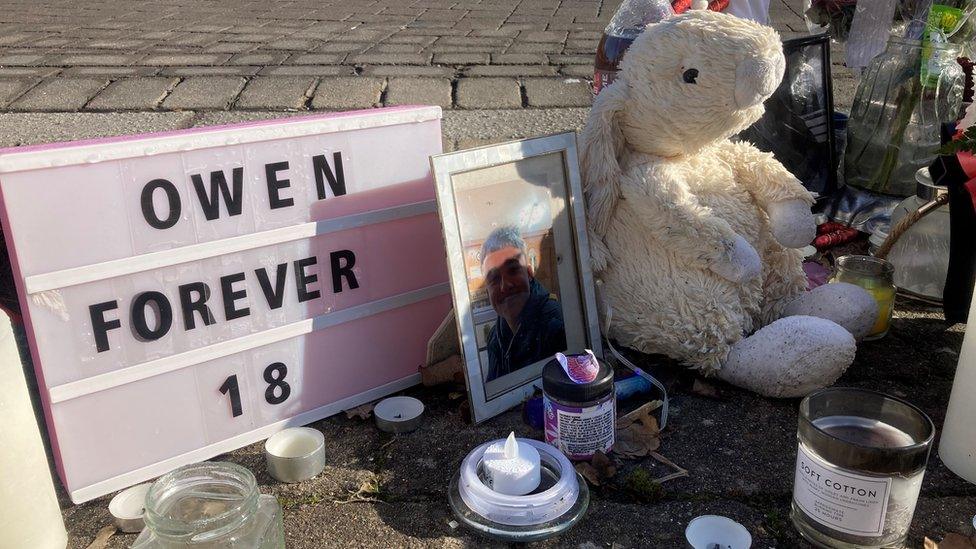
(529, 326)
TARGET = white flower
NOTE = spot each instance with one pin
(967, 119)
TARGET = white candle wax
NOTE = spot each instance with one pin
(958, 446)
(512, 467)
(29, 512)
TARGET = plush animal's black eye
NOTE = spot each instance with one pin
(690, 76)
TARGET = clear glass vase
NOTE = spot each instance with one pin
(899, 108)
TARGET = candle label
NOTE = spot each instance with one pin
(840, 499)
(580, 432)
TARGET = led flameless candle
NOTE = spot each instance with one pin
(29, 512)
(513, 468)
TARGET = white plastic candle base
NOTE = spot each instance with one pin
(709, 531)
(128, 507)
(556, 505)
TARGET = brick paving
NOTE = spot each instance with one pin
(295, 55)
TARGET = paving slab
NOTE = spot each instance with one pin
(204, 93)
(35, 128)
(510, 70)
(418, 91)
(557, 92)
(389, 58)
(461, 58)
(11, 89)
(488, 93)
(339, 93)
(167, 60)
(130, 94)
(59, 94)
(276, 92)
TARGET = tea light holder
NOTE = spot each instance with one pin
(128, 508)
(400, 414)
(711, 531)
(860, 462)
(295, 454)
(558, 503)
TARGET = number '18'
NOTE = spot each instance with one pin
(277, 392)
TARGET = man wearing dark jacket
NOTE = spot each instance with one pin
(529, 327)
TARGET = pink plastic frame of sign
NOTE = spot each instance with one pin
(341, 293)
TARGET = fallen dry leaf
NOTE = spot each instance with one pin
(599, 469)
(637, 433)
(102, 537)
(704, 388)
(952, 541)
(363, 411)
(589, 472)
(441, 372)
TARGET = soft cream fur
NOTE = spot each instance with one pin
(677, 212)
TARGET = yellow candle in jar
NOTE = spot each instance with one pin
(876, 276)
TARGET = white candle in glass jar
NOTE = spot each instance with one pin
(29, 511)
(513, 468)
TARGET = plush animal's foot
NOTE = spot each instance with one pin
(790, 357)
(792, 223)
(846, 304)
(741, 264)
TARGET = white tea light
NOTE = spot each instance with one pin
(295, 454)
(400, 414)
(128, 507)
(708, 531)
(512, 468)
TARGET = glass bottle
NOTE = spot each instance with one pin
(921, 255)
(210, 505)
(898, 112)
(628, 21)
(875, 276)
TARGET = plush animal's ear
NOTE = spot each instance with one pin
(600, 145)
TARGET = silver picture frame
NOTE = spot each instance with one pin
(492, 166)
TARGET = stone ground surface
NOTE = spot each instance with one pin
(183, 55)
(502, 69)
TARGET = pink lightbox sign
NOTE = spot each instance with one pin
(192, 292)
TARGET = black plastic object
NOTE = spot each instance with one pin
(798, 126)
(556, 384)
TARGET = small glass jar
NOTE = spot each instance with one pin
(877, 277)
(860, 462)
(210, 505)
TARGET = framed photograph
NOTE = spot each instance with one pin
(798, 126)
(515, 233)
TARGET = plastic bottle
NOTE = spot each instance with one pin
(629, 20)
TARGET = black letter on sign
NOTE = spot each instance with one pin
(211, 203)
(100, 326)
(337, 181)
(275, 185)
(230, 296)
(190, 304)
(303, 280)
(275, 295)
(339, 270)
(149, 209)
(161, 310)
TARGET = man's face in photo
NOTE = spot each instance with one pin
(507, 277)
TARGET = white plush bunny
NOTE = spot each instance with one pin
(693, 236)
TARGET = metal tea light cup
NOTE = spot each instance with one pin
(860, 462)
(295, 454)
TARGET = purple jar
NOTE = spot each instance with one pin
(579, 415)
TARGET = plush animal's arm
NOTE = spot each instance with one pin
(775, 190)
(666, 206)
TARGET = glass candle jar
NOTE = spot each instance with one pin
(876, 276)
(210, 505)
(859, 468)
